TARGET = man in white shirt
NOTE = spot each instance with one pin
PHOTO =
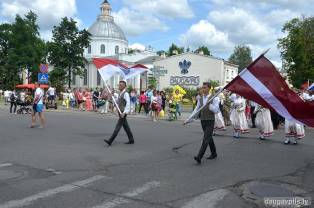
(38, 107)
(125, 107)
(51, 92)
(207, 117)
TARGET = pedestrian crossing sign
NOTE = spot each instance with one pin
(43, 78)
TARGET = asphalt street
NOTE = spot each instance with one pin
(68, 165)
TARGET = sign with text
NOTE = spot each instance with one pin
(185, 80)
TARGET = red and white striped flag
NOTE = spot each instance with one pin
(262, 83)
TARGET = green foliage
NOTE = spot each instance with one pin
(214, 83)
(168, 90)
(174, 48)
(190, 92)
(57, 78)
(152, 82)
(129, 88)
(204, 49)
(297, 50)
(67, 47)
(241, 56)
(21, 49)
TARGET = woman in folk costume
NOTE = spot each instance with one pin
(237, 116)
(293, 131)
(219, 120)
(263, 121)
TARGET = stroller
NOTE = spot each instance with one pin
(25, 107)
(172, 112)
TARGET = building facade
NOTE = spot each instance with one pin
(191, 70)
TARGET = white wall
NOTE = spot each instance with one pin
(203, 66)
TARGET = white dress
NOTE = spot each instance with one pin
(219, 121)
(293, 129)
(237, 116)
(263, 121)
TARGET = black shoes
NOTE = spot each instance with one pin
(211, 157)
(129, 142)
(198, 160)
(108, 142)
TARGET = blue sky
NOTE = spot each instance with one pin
(218, 24)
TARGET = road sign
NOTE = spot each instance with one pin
(43, 78)
(43, 68)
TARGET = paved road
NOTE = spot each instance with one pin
(67, 165)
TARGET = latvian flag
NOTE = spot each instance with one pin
(262, 83)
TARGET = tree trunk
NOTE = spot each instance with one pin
(70, 78)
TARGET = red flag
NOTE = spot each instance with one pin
(262, 83)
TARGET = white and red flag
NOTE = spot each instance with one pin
(134, 71)
(108, 67)
(262, 83)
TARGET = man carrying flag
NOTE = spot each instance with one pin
(124, 106)
(206, 112)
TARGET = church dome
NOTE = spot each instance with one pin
(105, 27)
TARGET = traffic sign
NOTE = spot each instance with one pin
(43, 78)
(43, 68)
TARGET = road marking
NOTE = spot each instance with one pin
(120, 200)
(208, 200)
(50, 192)
(5, 165)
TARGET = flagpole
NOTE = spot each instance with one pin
(113, 99)
(222, 89)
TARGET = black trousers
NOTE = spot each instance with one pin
(145, 107)
(253, 116)
(13, 104)
(208, 128)
(122, 122)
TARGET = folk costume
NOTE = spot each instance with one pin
(237, 116)
(263, 121)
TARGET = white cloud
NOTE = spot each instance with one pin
(165, 8)
(135, 23)
(137, 46)
(278, 17)
(242, 27)
(49, 12)
(204, 33)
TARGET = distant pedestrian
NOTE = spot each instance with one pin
(133, 99)
(38, 107)
(237, 116)
(143, 102)
(263, 121)
(13, 101)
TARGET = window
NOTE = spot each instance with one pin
(232, 74)
(227, 76)
(89, 50)
(73, 78)
(98, 78)
(102, 48)
(117, 50)
(85, 77)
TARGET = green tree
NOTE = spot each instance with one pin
(173, 49)
(21, 49)
(241, 56)
(204, 49)
(297, 50)
(66, 49)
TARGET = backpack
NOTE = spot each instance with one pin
(12, 97)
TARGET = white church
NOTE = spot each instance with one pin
(108, 40)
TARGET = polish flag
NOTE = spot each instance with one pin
(109, 67)
(135, 70)
(262, 83)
